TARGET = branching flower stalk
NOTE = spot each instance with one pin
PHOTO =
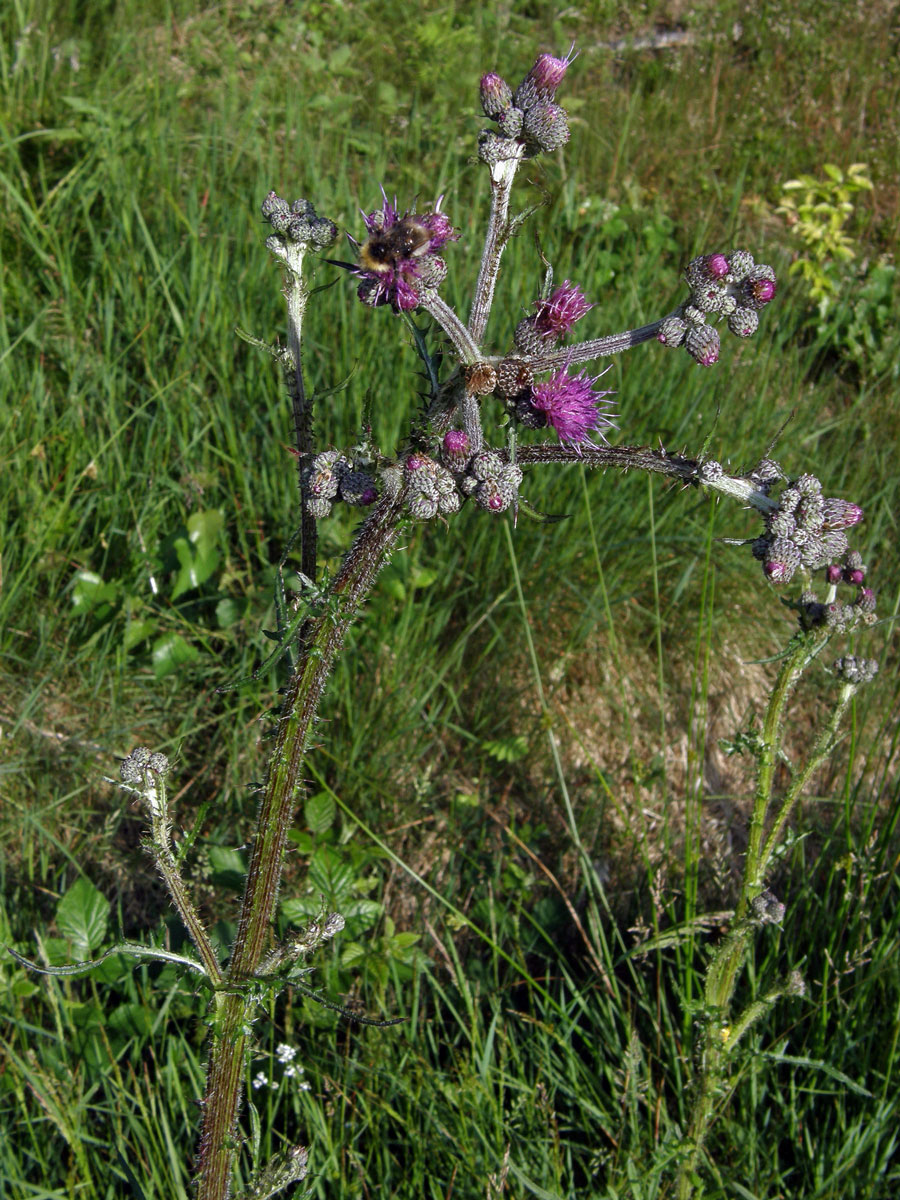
(465, 448)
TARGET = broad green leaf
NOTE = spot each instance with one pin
(171, 652)
(197, 565)
(228, 865)
(81, 916)
(320, 811)
(205, 528)
(137, 632)
(91, 590)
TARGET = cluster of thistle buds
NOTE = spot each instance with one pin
(492, 483)
(528, 120)
(301, 943)
(806, 532)
(296, 223)
(141, 763)
(144, 771)
(431, 489)
(855, 670)
(722, 285)
(331, 477)
(767, 908)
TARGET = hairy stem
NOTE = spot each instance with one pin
(719, 1037)
(463, 343)
(235, 1003)
(502, 176)
(296, 294)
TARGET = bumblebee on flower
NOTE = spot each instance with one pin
(398, 262)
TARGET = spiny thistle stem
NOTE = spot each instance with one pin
(502, 176)
(463, 342)
(297, 294)
(602, 347)
(283, 784)
(721, 1035)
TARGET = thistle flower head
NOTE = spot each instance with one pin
(542, 80)
(571, 407)
(556, 315)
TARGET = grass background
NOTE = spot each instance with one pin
(146, 497)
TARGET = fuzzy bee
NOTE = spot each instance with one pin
(399, 259)
(386, 249)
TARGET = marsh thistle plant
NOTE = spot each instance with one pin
(492, 416)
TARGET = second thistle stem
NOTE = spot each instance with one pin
(720, 1037)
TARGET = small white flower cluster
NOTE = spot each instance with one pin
(285, 1054)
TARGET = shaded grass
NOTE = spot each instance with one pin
(130, 249)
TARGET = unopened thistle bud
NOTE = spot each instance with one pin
(422, 507)
(740, 264)
(743, 322)
(528, 339)
(782, 560)
(541, 82)
(456, 448)
(758, 288)
(496, 95)
(510, 122)
(322, 480)
(865, 600)
(841, 514)
(513, 377)
(672, 331)
(546, 127)
(357, 488)
(702, 343)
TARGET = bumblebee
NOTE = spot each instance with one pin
(385, 250)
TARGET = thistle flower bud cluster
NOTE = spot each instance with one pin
(767, 908)
(297, 223)
(806, 530)
(722, 285)
(528, 119)
(331, 477)
(492, 483)
(855, 670)
(431, 488)
(145, 771)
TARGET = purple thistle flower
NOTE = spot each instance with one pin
(556, 315)
(546, 75)
(571, 406)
